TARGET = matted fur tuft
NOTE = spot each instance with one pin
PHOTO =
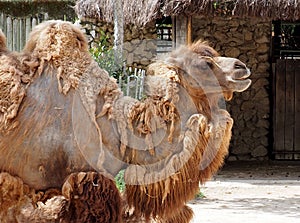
(92, 198)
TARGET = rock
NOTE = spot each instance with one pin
(262, 123)
(232, 158)
(129, 59)
(263, 58)
(232, 52)
(128, 46)
(259, 83)
(244, 157)
(151, 44)
(263, 67)
(248, 115)
(240, 149)
(264, 141)
(259, 151)
(263, 48)
(248, 35)
(263, 39)
(243, 58)
(247, 105)
(260, 132)
(261, 93)
(135, 42)
(234, 23)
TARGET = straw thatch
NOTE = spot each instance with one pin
(24, 8)
(143, 12)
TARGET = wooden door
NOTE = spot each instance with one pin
(286, 110)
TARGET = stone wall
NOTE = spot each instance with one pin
(249, 41)
(139, 44)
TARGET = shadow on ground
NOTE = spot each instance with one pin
(251, 192)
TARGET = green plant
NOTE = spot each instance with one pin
(104, 55)
(200, 195)
(120, 182)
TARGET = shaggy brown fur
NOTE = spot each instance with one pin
(93, 198)
(41, 148)
(74, 119)
(85, 197)
(14, 75)
(205, 139)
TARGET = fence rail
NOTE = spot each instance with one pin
(17, 29)
(132, 83)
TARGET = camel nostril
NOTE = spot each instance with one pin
(239, 65)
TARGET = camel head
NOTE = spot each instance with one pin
(202, 71)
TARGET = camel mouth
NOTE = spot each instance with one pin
(241, 74)
(240, 81)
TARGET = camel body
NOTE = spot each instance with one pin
(67, 117)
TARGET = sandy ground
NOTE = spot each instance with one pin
(251, 193)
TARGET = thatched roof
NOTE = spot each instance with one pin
(24, 8)
(141, 12)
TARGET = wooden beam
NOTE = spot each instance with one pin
(189, 31)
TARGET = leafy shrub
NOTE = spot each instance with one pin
(104, 55)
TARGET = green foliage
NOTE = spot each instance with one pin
(200, 195)
(120, 182)
(224, 7)
(105, 57)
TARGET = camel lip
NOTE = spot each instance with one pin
(239, 85)
(243, 77)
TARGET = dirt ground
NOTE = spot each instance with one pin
(251, 192)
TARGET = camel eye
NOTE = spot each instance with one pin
(210, 64)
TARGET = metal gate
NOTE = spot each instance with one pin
(286, 110)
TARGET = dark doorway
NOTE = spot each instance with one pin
(286, 90)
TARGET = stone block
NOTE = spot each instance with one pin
(263, 39)
(248, 35)
(261, 93)
(247, 105)
(259, 151)
(259, 83)
(232, 52)
(263, 48)
(260, 132)
(263, 67)
(240, 149)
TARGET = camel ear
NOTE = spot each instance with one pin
(81, 39)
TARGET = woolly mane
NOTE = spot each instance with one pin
(15, 74)
(166, 81)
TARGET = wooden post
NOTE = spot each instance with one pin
(9, 34)
(181, 30)
(16, 33)
(22, 33)
(27, 27)
(34, 22)
(189, 31)
(173, 32)
(2, 22)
